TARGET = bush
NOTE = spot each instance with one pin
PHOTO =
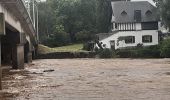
(57, 39)
(127, 53)
(89, 46)
(144, 52)
(165, 48)
(106, 53)
(148, 53)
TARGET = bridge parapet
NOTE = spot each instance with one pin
(32, 9)
(18, 16)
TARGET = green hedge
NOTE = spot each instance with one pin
(156, 51)
(105, 53)
(145, 52)
(165, 48)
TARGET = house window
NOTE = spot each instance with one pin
(148, 13)
(124, 13)
(147, 38)
(137, 15)
(129, 39)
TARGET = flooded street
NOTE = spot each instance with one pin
(89, 79)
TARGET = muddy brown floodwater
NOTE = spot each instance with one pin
(89, 79)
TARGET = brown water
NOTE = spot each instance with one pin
(90, 79)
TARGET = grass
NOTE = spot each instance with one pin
(70, 48)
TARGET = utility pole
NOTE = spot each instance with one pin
(33, 11)
(37, 22)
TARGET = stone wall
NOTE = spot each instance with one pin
(62, 55)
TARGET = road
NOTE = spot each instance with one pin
(89, 79)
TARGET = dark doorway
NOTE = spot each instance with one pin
(112, 44)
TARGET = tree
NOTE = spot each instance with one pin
(165, 48)
(164, 9)
(104, 15)
(46, 20)
(82, 17)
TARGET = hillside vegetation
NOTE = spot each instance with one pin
(70, 48)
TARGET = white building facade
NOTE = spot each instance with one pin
(133, 23)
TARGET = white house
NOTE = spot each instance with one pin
(133, 23)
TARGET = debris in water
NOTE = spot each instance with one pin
(167, 73)
(51, 70)
(36, 73)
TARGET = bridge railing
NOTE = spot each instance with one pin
(32, 9)
(31, 6)
(27, 5)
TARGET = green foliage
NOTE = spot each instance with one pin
(73, 17)
(104, 15)
(165, 48)
(84, 36)
(46, 20)
(164, 10)
(57, 39)
(144, 52)
(89, 46)
(106, 53)
(149, 52)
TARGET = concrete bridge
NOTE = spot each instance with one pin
(18, 34)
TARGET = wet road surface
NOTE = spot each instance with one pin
(89, 79)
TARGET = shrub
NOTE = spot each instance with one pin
(89, 46)
(148, 53)
(144, 52)
(165, 48)
(57, 39)
(125, 53)
(106, 53)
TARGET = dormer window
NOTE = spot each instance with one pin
(148, 13)
(137, 16)
(124, 13)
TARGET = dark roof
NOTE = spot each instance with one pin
(129, 7)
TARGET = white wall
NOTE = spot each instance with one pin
(138, 26)
(138, 38)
